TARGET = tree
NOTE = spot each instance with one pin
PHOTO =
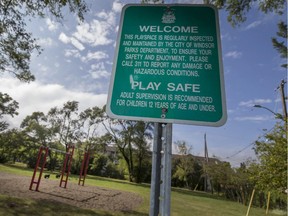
(182, 147)
(143, 133)
(8, 106)
(16, 44)
(15, 146)
(270, 174)
(280, 46)
(89, 121)
(35, 125)
(241, 183)
(125, 134)
(7, 146)
(185, 164)
(64, 123)
(122, 137)
(220, 174)
(237, 9)
(37, 128)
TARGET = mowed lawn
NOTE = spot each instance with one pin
(183, 202)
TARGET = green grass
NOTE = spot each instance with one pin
(10, 206)
(183, 202)
(17, 168)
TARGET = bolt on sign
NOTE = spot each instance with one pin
(168, 66)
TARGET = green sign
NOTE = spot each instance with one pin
(168, 66)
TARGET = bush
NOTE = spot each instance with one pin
(111, 171)
(103, 166)
(98, 165)
(3, 158)
(31, 162)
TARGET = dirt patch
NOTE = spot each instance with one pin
(91, 197)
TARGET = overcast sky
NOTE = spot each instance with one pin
(77, 61)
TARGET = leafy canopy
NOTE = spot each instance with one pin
(16, 43)
(8, 106)
(271, 172)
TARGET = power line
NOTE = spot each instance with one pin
(238, 152)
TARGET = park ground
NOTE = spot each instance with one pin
(101, 196)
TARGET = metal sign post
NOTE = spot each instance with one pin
(167, 69)
(165, 188)
(160, 195)
(156, 173)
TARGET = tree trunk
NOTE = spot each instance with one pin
(139, 169)
(128, 163)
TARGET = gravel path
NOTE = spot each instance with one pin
(90, 197)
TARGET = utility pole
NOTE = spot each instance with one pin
(284, 106)
(206, 163)
(206, 149)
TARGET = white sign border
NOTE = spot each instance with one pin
(219, 123)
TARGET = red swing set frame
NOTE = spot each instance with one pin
(65, 168)
(84, 168)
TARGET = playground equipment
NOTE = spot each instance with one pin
(84, 168)
(66, 166)
(42, 158)
(40, 153)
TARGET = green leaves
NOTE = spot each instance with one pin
(8, 106)
(238, 9)
(16, 44)
(271, 172)
(280, 46)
